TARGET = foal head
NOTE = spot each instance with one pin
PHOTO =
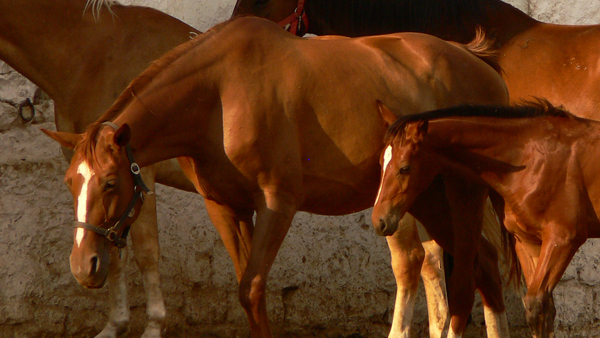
(105, 197)
(404, 173)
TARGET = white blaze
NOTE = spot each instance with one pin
(85, 171)
(387, 157)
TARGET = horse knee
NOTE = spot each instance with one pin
(251, 292)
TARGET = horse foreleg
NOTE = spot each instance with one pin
(555, 255)
(235, 230)
(273, 220)
(144, 238)
(466, 202)
(489, 284)
(434, 281)
(407, 258)
(118, 317)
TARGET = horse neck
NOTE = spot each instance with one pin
(455, 20)
(70, 54)
(175, 111)
(479, 148)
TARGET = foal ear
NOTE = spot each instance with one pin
(122, 135)
(68, 140)
(422, 127)
(386, 113)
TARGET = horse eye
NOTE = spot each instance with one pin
(261, 2)
(110, 185)
(404, 170)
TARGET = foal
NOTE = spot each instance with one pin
(538, 163)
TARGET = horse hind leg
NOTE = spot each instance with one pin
(407, 258)
(145, 246)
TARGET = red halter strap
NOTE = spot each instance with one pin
(292, 22)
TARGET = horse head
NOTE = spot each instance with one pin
(403, 173)
(107, 196)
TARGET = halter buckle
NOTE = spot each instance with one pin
(111, 235)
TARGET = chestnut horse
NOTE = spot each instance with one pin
(266, 123)
(538, 161)
(557, 62)
(84, 63)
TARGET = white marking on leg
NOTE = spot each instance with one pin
(86, 172)
(387, 157)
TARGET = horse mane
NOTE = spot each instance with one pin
(96, 7)
(534, 108)
(424, 16)
(89, 141)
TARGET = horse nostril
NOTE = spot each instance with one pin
(94, 265)
(382, 227)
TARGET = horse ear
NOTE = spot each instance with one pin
(422, 128)
(386, 113)
(122, 135)
(68, 140)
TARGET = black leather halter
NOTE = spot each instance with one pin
(119, 231)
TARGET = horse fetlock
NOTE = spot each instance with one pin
(115, 328)
(154, 329)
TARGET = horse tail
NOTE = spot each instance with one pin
(483, 48)
(515, 272)
(505, 242)
(491, 227)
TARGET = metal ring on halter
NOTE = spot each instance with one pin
(111, 235)
(135, 168)
(26, 103)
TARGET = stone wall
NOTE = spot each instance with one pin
(331, 278)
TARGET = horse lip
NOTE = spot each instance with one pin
(97, 286)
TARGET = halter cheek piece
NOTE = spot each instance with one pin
(112, 233)
(296, 20)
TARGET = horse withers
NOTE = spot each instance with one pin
(286, 132)
(537, 162)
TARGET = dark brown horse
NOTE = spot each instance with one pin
(266, 123)
(557, 62)
(84, 63)
(539, 162)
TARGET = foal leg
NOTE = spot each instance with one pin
(466, 201)
(489, 284)
(273, 219)
(555, 255)
(407, 258)
(434, 281)
(146, 253)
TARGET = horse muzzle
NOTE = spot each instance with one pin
(90, 267)
(385, 227)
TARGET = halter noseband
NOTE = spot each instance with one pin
(112, 233)
(296, 19)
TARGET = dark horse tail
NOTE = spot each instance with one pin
(513, 268)
(483, 48)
